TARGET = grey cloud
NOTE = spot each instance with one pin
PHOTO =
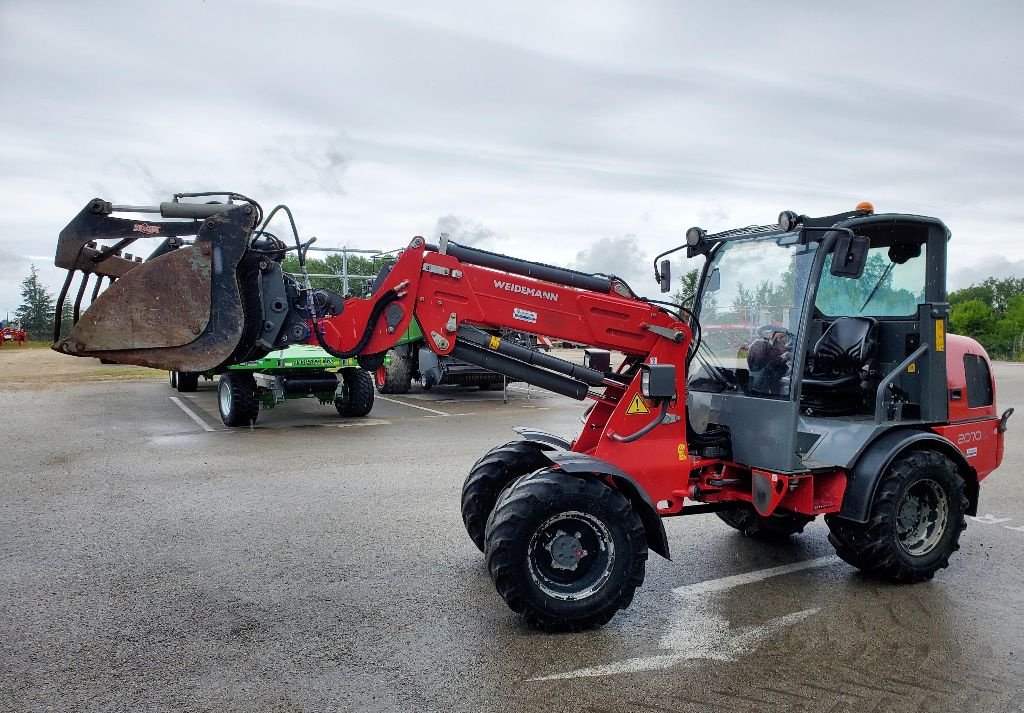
(997, 266)
(467, 232)
(621, 256)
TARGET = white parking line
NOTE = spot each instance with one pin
(701, 631)
(403, 403)
(192, 414)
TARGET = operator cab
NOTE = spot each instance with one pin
(818, 330)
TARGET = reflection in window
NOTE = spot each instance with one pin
(749, 313)
(887, 288)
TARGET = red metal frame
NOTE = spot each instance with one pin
(443, 293)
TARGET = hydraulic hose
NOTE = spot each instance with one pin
(378, 307)
(645, 430)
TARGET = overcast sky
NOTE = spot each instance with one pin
(582, 133)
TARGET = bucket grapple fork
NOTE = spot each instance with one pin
(189, 306)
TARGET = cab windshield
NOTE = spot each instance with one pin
(749, 312)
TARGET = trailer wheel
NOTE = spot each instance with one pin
(567, 552)
(490, 476)
(237, 399)
(396, 377)
(426, 381)
(359, 385)
(173, 379)
(916, 519)
(774, 527)
(186, 382)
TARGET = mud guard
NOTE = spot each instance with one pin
(542, 437)
(581, 464)
(862, 480)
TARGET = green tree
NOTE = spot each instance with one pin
(333, 264)
(687, 288)
(37, 308)
(973, 318)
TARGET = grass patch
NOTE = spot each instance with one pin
(26, 345)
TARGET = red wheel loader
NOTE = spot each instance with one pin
(813, 376)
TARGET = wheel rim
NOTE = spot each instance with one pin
(571, 556)
(921, 517)
(224, 397)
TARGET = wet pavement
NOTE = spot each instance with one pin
(151, 559)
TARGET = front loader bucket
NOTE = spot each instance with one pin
(188, 307)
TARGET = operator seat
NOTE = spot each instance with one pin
(841, 367)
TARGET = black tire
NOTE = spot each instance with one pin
(533, 561)
(186, 382)
(426, 381)
(775, 527)
(172, 377)
(396, 377)
(237, 398)
(359, 385)
(491, 475)
(916, 519)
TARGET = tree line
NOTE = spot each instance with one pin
(993, 313)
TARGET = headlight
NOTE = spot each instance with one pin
(788, 220)
(694, 236)
(658, 381)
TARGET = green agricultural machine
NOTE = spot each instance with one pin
(297, 372)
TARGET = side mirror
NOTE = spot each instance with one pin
(665, 275)
(714, 281)
(850, 256)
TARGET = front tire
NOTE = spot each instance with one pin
(492, 474)
(237, 398)
(775, 527)
(394, 377)
(916, 519)
(359, 385)
(565, 551)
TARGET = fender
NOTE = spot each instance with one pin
(581, 464)
(862, 480)
(542, 437)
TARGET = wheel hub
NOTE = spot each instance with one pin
(921, 517)
(571, 555)
(566, 550)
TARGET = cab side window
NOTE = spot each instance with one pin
(892, 285)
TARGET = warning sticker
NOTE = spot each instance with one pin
(637, 405)
(524, 315)
(495, 342)
(681, 451)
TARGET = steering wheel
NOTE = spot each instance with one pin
(768, 333)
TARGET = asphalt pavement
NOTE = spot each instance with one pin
(153, 560)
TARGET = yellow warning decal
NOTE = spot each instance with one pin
(637, 405)
(681, 451)
(940, 335)
(912, 369)
(495, 341)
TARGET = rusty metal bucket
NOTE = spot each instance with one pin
(187, 307)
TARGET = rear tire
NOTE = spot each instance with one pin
(775, 527)
(359, 385)
(916, 519)
(395, 377)
(237, 398)
(491, 475)
(186, 382)
(565, 551)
